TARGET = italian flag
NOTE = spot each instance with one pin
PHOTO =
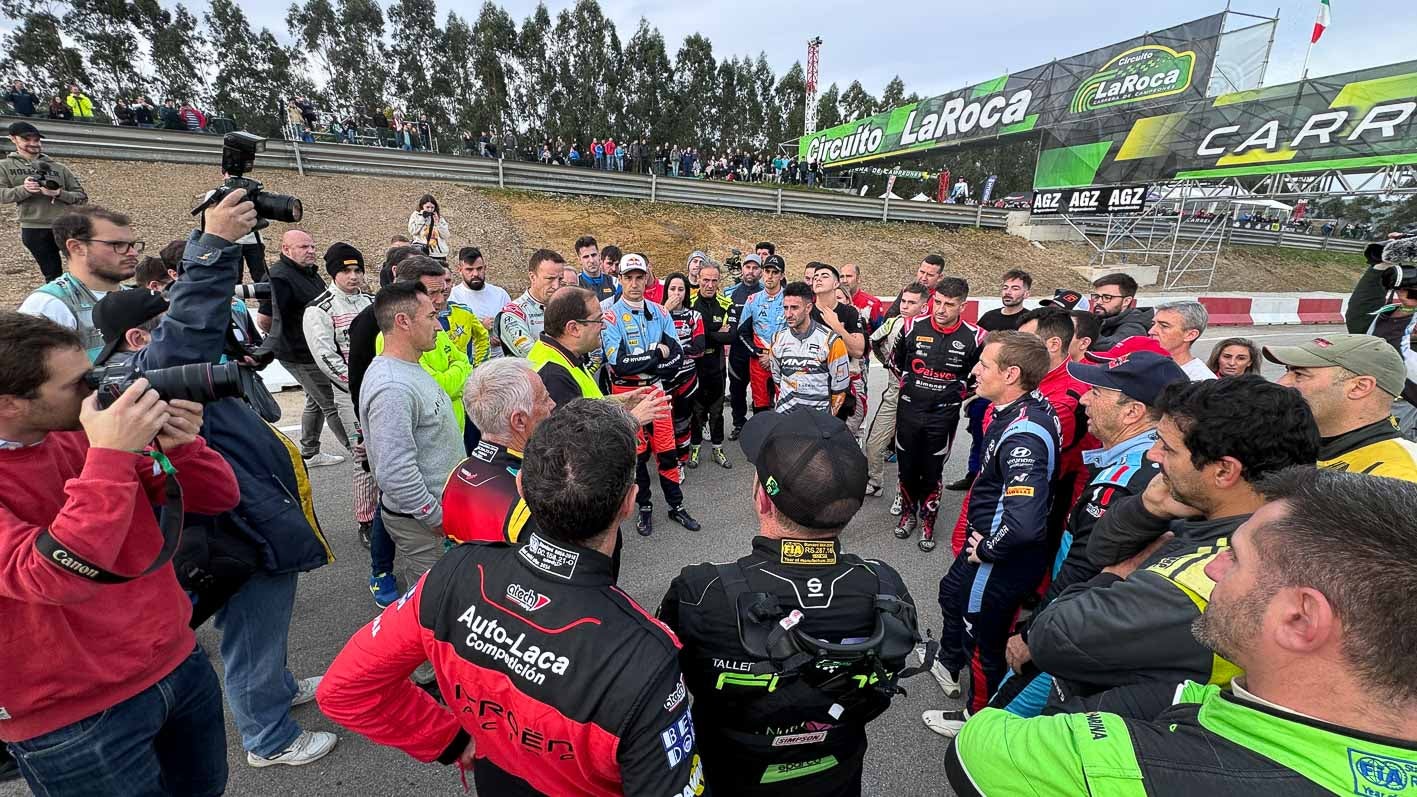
(1321, 24)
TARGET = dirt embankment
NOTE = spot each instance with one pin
(508, 226)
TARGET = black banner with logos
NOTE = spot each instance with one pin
(1110, 199)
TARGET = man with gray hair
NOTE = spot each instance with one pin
(1176, 326)
(506, 400)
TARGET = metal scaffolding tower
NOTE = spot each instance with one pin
(809, 116)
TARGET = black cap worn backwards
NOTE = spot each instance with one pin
(122, 310)
(809, 465)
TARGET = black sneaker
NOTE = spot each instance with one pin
(645, 525)
(962, 483)
(365, 529)
(735, 433)
(926, 544)
(681, 516)
(9, 770)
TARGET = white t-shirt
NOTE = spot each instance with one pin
(485, 304)
(42, 304)
(1196, 369)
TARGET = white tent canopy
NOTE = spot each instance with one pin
(891, 195)
(921, 197)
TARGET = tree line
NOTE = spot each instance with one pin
(568, 76)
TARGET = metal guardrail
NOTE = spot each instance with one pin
(1161, 229)
(176, 146)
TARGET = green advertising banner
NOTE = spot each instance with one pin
(1356, 121)
(1157, 69)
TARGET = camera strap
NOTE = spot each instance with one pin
(169, 520)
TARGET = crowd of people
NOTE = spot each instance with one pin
(672, 160)
(1163, 571)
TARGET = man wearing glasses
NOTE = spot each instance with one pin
(1114, 302)
(102, 255)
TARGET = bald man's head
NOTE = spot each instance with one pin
(298, 247)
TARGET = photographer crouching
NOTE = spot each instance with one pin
(1395, 266)
(105, 689)
(240, 565)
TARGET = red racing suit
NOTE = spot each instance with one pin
(567, 686)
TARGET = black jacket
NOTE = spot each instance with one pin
(293, 287)
(1119, 327)
(715, 312)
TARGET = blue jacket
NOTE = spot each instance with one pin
(762, 320)
(1009, 501)
(630, 339)
(277, 509)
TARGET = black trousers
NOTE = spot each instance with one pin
(254, 256)
(40, 242)
(738, 388)
(708, 406)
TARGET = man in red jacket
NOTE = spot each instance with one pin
(104, 690)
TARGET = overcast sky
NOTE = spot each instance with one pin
(936, 50)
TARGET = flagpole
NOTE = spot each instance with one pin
(1304, 74)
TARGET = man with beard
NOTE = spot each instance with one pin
(592, 276)
(1328, 699)
(1122, 640)
(929, 273)
(38, 206)
(749, 283)
(760, 323)
(1114, 300)
(103, 254)
(475, 293)
(1017, 284)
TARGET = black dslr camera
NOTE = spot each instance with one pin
(734, 262)
(1402, 253)
(199, 382)
(46, 177)
(238, 156)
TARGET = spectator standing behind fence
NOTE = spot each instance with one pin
(195, 120)
(21, 99)
(79, 103)
(427, 226)
(171, 119)
(143, 112)
(37, 204)
(58, 109)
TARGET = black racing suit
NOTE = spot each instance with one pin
(566, 685)
(1008, 506)
(738, 353)
(934, 366)
(708, 402)
(775, 734)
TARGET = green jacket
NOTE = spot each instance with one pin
(38, 211)
(1208, 743)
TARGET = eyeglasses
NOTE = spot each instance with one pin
(1104, 297)
(120, 247)
(597, 320)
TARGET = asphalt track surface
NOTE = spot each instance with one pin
(333, 602)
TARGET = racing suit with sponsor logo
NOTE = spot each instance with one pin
(1117, 472)
(683, 387)
(738, 354)
(762, 319)
(853, 409)
(1008, 506)
(326, 325)
(1208, 742)
(481, 502)
(631, 337)
(934, 364)
(771, 734)
(809, 369)
(519, 325)
(565, 684)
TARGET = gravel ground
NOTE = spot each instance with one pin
(332, 603)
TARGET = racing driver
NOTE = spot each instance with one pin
(556, 681)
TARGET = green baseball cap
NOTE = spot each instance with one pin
(1364, 355)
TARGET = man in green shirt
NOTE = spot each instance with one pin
(1312, 600)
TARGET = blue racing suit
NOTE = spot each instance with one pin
(630, 338)
(762, 319)
(1008, 506)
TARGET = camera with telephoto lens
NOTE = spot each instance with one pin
(1402, 254)
(45, 175)
(238, 156)
(252, 291)
(199, 382)
(734, 262)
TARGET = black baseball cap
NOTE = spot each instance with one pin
(1140, 375)
(1067, 299)
(24, 129)
(809, 464)
(774, 261)
(122, 310)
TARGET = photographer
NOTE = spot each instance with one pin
(428, 227)
(1392, 275)
(276, 511)
(132, 707)
(103, 254)
(43, 190)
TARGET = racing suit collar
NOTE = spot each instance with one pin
(565, 562)
(792, 551)
(945, 330)
(1340, 444)
(1107, 457)
(527, 297)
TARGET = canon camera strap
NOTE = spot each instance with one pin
(169, 521)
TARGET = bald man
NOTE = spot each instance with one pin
(295, 282)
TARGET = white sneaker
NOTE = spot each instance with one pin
(897, 505)
(945, 723)
(305, 690)
(322, 459)
(308, 746)
(949, 683)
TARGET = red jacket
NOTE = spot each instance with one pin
(70, 647)
(1063, 392)
(873, 310)
(654, 291)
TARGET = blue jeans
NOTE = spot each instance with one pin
(381, 547)
(168, 739)
(255, 626)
